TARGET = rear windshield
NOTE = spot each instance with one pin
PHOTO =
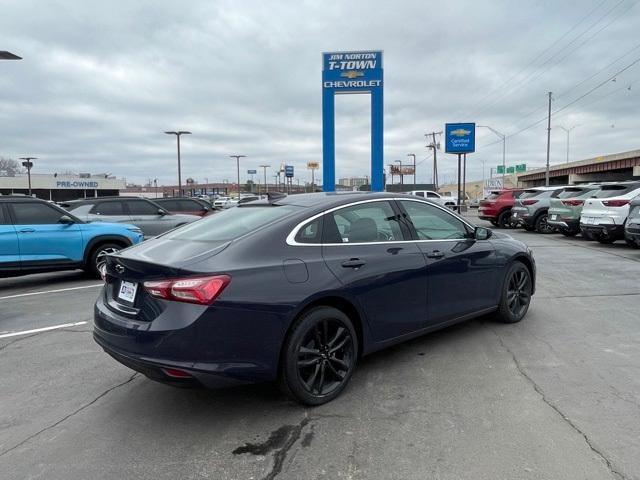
(531, 193)
(568, 192)
(607, 191)
(231, 224)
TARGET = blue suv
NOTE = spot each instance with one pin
(37, 236)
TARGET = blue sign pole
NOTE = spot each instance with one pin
(352, 73)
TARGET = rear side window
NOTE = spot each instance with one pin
(231, 224)
(169, 204)
(188, 206)
(140, 207)
(419, 194)
(432, 195)
(607, 191)
(311, 232)
(33, 213)
(362, 223)
(108, 208)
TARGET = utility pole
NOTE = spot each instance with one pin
(434, 146)
(401, 175)
(238, 157)
(568, 130)
(264, 169)
(28, 164)
(414, 168)
(546, 175)
(177, 134)
(155, 186)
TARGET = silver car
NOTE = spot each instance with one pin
(531, 208)
(150, 217)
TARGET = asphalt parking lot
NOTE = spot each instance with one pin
(554, 397)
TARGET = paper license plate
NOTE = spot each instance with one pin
(128, 291)
(553, 217)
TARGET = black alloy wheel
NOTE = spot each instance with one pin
(504, 219)
(320, 356)
(516, 295)
(542, 225)
(605, 239)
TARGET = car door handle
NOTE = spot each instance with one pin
(27, 230)
(435, 254)
(353, 263)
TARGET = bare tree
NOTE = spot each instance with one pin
(10, 167)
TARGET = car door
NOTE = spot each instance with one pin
(112, 211)
(146, 216)
(9, 250)
(42, 239)
(462, 272)
(364, 245)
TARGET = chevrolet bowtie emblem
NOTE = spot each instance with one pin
(351, 74)
(460, 132)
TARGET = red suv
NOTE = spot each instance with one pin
(497, 206)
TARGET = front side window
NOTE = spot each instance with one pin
(32, 213)
(108, 208)
(363, 223)
(433, 223)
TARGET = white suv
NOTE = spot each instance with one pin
(605, 213)
(435, 197)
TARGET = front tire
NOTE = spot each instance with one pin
(569, 233)
(319, 356)
(516, 294)
(605, 239)
(97, 257)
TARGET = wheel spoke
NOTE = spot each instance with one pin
(338, 334)
(307, 362)
(308, 351)
(523, 280)
(336, 372)
(321, 382)
(342, 343)
(340, 362)
(312, 380)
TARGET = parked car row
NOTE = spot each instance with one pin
(605, 212)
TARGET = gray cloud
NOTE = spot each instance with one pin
(101, 81)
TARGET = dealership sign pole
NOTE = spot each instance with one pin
(351, 73)
(460, 138)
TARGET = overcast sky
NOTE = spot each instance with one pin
(100, 82)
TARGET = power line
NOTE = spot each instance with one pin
(507, 81)
(538, 71)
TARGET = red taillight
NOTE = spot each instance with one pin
(615, 203)
(200, 290)
(572, 203)
(529, 202)
(176, 373)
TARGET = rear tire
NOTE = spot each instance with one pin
(569, 233)
(631, 243)
(504, 219)
(97, 257)
(587, 235)
(319, 356)
(606, 240)
(516, 294)
(542, 226)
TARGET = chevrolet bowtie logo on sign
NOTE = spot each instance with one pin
(461, 132)
(351, 74)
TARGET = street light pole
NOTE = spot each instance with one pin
(28, 164)
(177, 134)
(546, 175)
(414, 168)
(238, 157)
(568, 130)
(264, 168)
(504, 149)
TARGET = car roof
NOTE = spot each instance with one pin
(104, 199)
(21, 198)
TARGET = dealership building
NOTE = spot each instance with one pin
(62, 187)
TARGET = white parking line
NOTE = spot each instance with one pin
(51, 291)
(39, 330)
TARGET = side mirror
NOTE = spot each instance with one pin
(481, 233)
(162, 212)
(66, 219)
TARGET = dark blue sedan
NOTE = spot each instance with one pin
(296, 289)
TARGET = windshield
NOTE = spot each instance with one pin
(231, 224)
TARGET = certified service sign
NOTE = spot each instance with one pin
(350, 72)
(460, 137)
